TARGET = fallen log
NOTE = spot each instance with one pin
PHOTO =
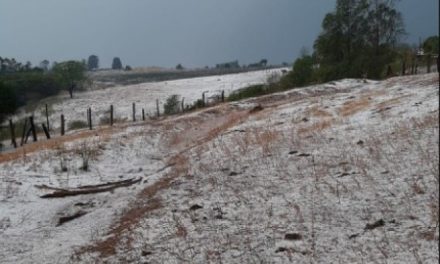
(91, 189)
(104, 184)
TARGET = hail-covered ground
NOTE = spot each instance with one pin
(343, 172)
(144, 95)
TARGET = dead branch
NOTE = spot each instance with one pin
(91, 189)
(65, 219)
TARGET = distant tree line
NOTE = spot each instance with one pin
(235, 65)
(22, 83)
(93, 64)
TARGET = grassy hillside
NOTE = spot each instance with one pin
(340, 172)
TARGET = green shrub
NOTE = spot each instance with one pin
(251, 91)
(172, 105)
(302, 71)
(196, 105)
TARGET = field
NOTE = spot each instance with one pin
(343, 172)
(143, 95)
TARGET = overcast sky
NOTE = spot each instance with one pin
(166, 32)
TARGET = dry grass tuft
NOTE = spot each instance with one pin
(316, 127)
(315, 111)
(265, 138)
(354, 106)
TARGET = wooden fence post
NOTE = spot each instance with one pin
(182, 106)
(11, 126)
(223, 96)
(428, 62)
(47, 118)
(143, 114)
(111, 115)
(134, 112)
(89, 117)
(34, 131)
(157, 108)
(46, 131)
(62, 125)
(203, 99)
(24, 132)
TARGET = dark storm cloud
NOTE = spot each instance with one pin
(167, 32)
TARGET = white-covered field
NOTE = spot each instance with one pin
(144, 96)
(343, 172)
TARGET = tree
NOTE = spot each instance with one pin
(117, 64)
(93, 62)
(358, 38)
(302, 71)
(263, 62)
(342, 39)
(8, 99)
(385, 24)
(431, 45)
(27, 66)
(70, 75)
(179, 67)
(44, 65)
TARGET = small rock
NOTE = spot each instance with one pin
(343, 174)
(233, 173)
(360, 143)
(293, 236)
(146, 253)
(353, 236)
(195, 207)
(304, 155)
(293, 152)
(280, 249)
(305, 119)
(374, 225)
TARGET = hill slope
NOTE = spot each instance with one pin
(340, 172)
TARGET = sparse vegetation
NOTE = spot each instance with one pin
(251, 91)
(77, 124)
(172, 105)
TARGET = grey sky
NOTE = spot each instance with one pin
(166, 32)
